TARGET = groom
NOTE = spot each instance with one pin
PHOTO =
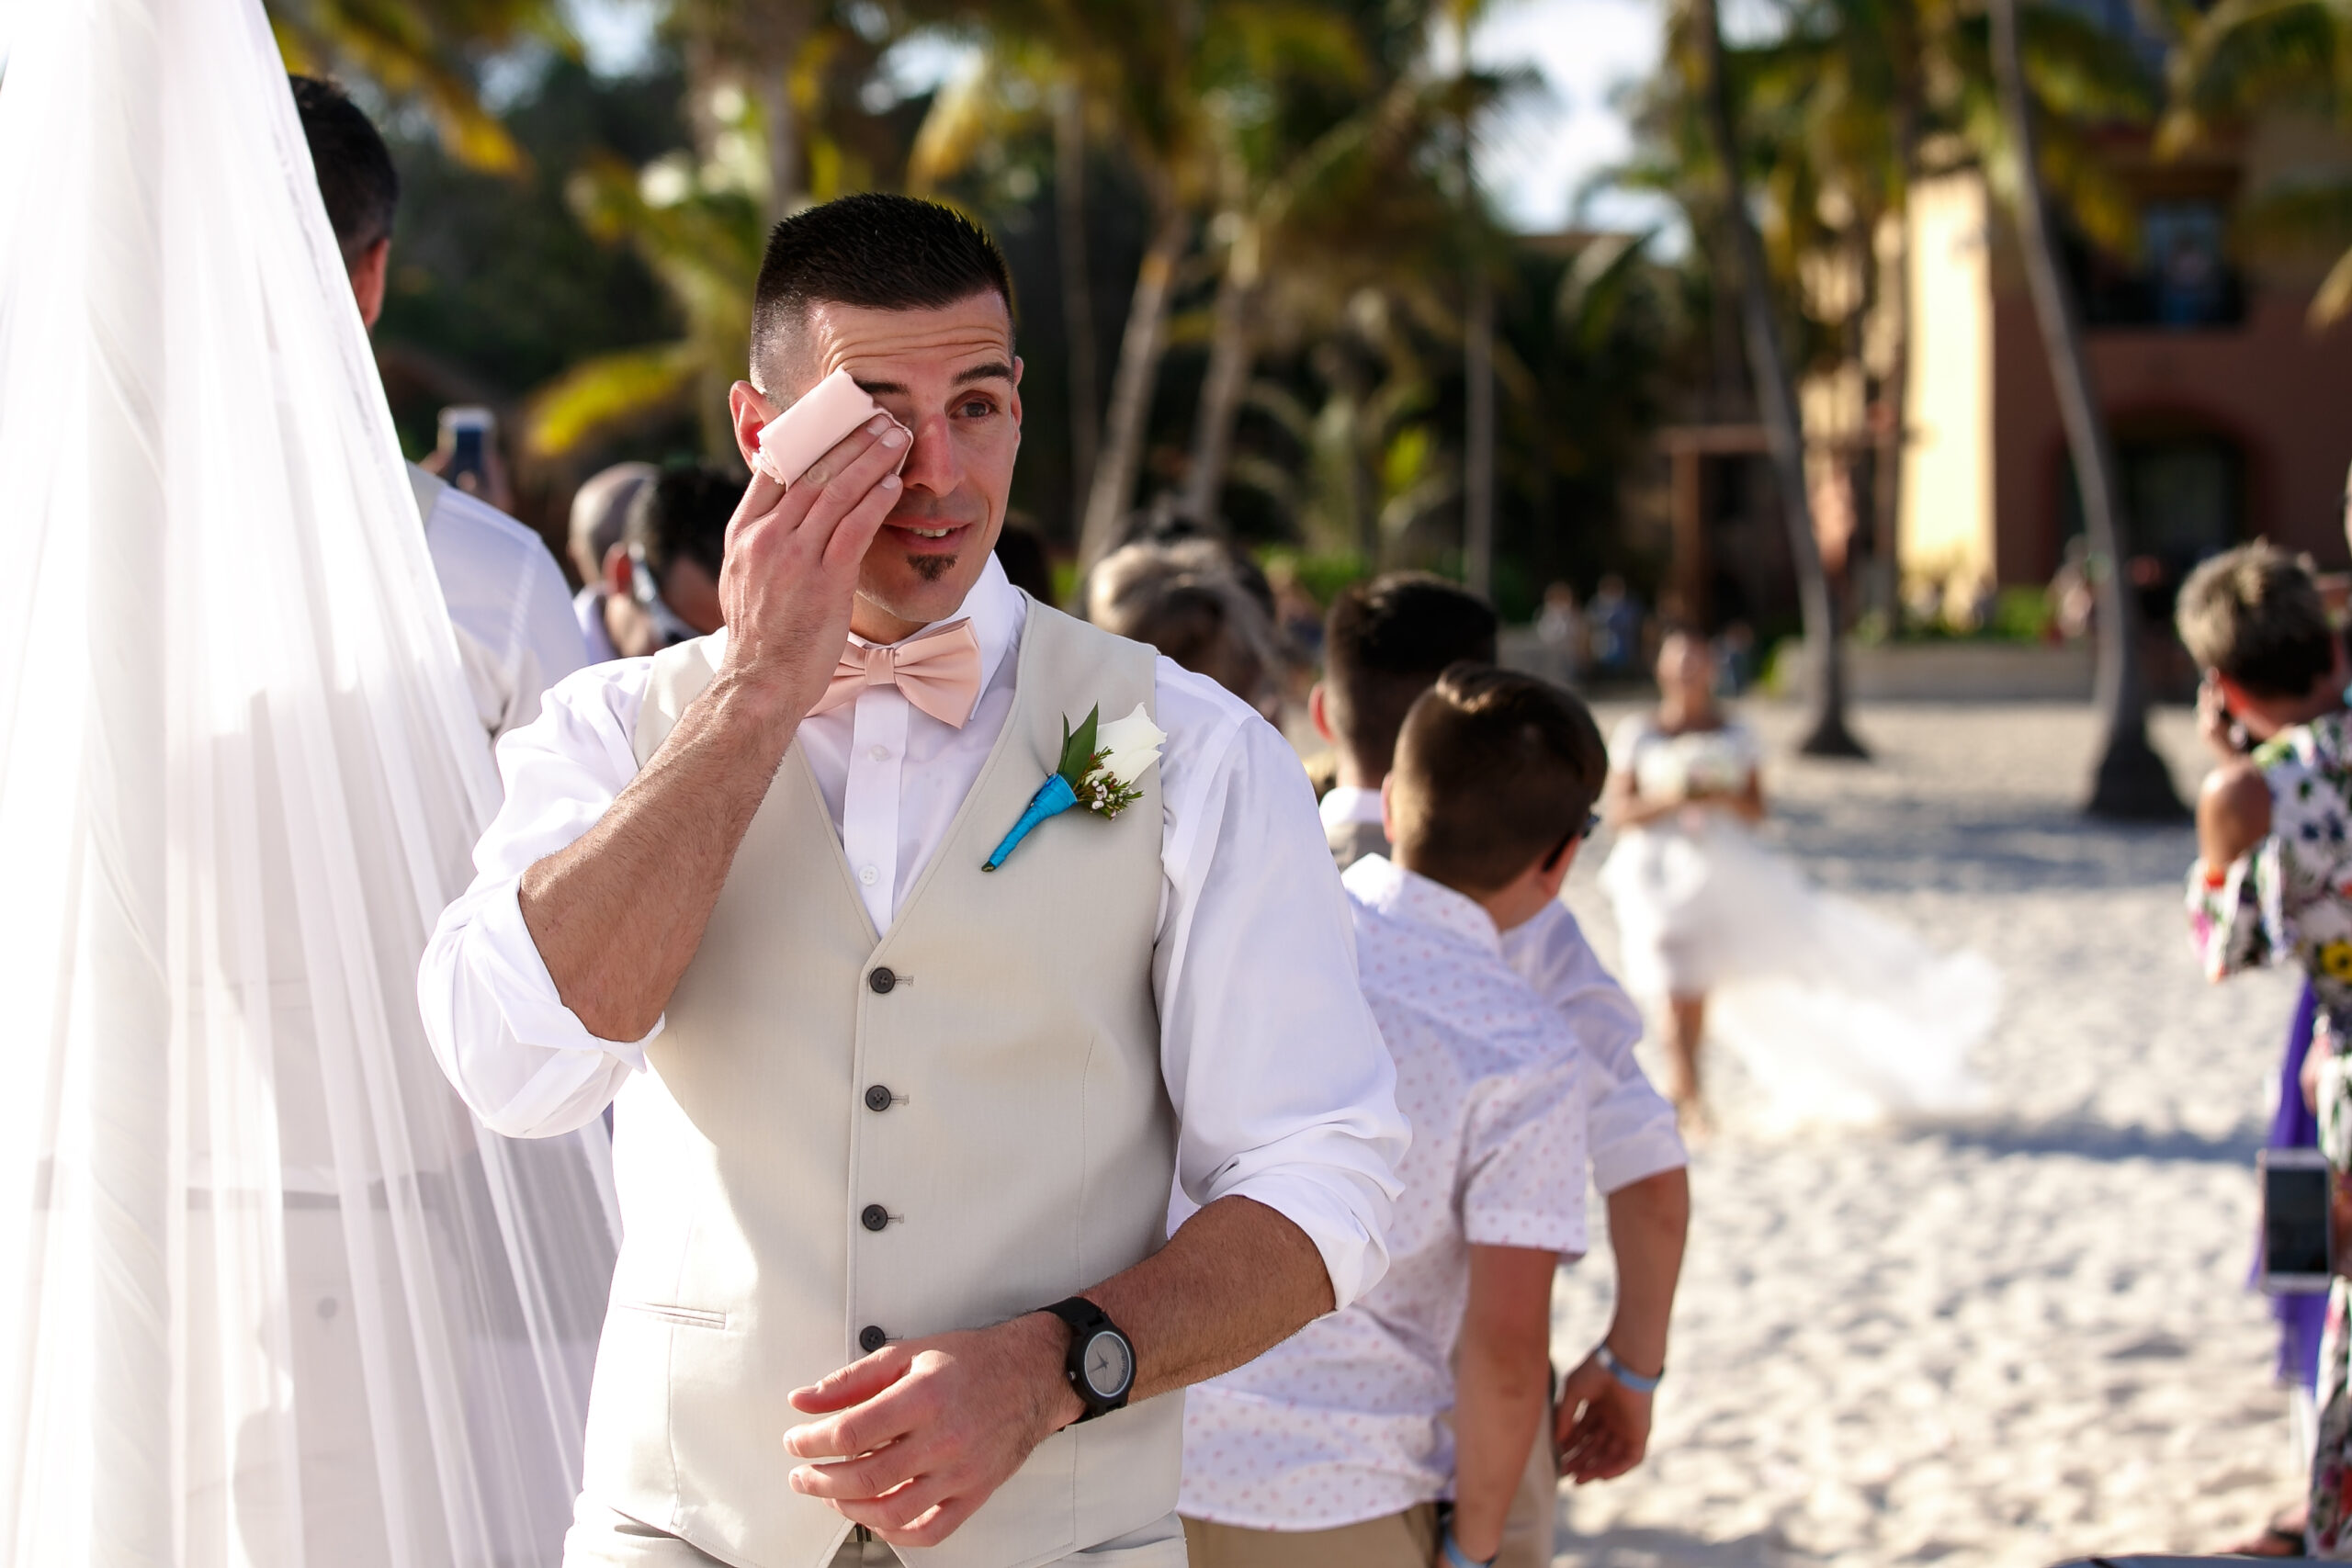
(894, 1138)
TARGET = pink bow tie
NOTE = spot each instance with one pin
(940, 673)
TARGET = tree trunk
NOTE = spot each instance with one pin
(1232, 352)
(1826, 735)
(1478, 435)
(1078, 289)
(2132, 782)
(1146, 339)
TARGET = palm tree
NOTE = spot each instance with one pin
(421, 50)
(1827, 734)
(2243, 57)
(2131, 782)
(1154, 76)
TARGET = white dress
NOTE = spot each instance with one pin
(1837, 1013)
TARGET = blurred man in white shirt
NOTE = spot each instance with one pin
(660, 585)
(599, 513)
(516, 635)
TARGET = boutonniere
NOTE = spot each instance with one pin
(1100, 766)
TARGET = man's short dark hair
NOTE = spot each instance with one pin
(1385, 643)
(1496, 770)
(872, 250)
(353, 166)
(2254, 614)
(684, 516)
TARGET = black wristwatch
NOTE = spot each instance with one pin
(1100, 1365)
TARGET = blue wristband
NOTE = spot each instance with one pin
(1457, 1558)
(1625, 1374)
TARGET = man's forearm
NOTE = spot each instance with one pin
(1648, 1221)
(1236, 1279)
(616, 916)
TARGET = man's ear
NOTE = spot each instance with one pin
(620, 572)
(368, 280)
(1316, 715)
(1550, 879)
(749, 409)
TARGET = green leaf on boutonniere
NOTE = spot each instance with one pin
(1078, 749)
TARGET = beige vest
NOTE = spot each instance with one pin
(1023, 1151)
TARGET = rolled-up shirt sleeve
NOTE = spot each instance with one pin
(1282, 1088)
(521, 1059)
(1630, 1130)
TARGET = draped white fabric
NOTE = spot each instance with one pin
(267, 1294)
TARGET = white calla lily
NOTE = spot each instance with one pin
(1130, 744)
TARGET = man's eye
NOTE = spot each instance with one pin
(978, 408)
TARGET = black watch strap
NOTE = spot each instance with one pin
(1086, 1320)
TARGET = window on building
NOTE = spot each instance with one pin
(2180, 279)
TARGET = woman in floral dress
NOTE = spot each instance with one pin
(2273, 882)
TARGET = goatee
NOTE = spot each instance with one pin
(930, 569)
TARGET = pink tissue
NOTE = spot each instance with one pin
(832, 411)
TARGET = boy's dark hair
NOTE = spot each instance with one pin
(683, 515)
(2254, 614)
(354, 168)
(1384, 643)
(1496, 770)
(875, 250)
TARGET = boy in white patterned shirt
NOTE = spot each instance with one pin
(1339, 1446)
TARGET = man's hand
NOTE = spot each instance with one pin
(932, 1428)
(790, 577)
(1602, 1428)
(617, 914)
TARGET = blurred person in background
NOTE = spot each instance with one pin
(2274, 848)
(1559, 626)
(1613, 629)
(517, 634)
(1185, 598)
(662, 585)
(599, 511)
(1838, 1014)
(599, 517)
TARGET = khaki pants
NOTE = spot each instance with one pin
(1400, 1540)
(600, 1538)
(1534, 1507)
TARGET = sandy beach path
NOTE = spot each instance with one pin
(2005, 1343)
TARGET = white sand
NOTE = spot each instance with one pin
(2009, 1343)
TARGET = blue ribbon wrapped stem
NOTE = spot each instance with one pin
(1053, 797)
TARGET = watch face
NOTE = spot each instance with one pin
(1110, 1366)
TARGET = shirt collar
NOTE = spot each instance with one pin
(993, 605)
(1381, 885)
(1346, 805)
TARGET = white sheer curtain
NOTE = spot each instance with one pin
(267, 1294)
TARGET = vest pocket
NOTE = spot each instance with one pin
(691, 1317)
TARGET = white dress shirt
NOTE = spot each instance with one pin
(1348, 1420)
(517, 634)
(1281, 1087)
(1344, 806)
(588, 607)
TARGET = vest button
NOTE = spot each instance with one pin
(870, 1339)
(874, 1217)
(880, 981)
(878, 1098)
